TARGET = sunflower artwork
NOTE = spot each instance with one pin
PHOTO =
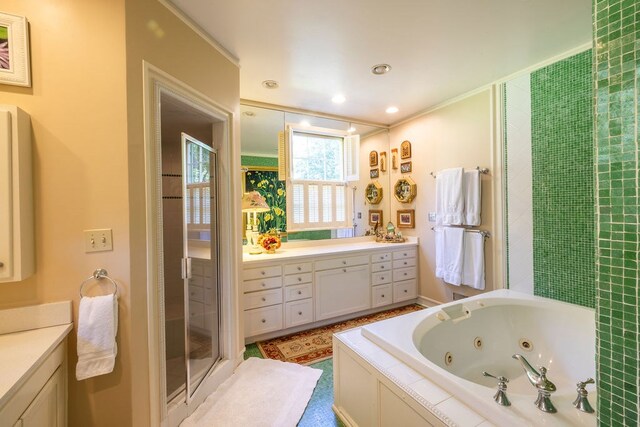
(266, 183)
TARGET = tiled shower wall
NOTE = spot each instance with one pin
(563, 180)
(617, 80)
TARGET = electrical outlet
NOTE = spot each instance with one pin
(98, 240)
(359, 215)
(432, 217)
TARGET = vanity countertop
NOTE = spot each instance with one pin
(34, 334)
(321, 248)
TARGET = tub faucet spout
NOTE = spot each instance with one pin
(540, 382)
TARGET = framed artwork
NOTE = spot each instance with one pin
(406, 218)
(405, 150)
(373, 193)
(374, 173)
(14, 51)
(373, 158)
(375, 217)
(394, 158)
(405, 167)
(405, 190)
(383, 161)
(264, 180)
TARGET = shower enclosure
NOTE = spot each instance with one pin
(190, 259)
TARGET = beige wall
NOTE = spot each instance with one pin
(78, 113)
(458, 134)
(86, 111)
(378, 142)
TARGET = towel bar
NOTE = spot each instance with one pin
(484, 171)
(99, 274)
(485, 234)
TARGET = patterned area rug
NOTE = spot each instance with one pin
(314, 345)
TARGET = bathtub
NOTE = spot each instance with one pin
(453, 343)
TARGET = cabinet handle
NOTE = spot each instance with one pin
(382, 267)
(382, 295)
(344, 262)
(299, 292)
(382, 278)
(405, 263)
(264, 321)
(264, 284)
(263, 273)
(344, 270)
(299, 268)
(299, 279)
(405, 291)
(263, 299)
(405, 274)
(299, 313)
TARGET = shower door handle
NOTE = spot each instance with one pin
(186, 268)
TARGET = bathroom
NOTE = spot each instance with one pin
(89, 130)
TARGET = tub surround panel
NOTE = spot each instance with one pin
(617, 54)
(563, 180)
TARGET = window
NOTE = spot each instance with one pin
(198, 187)
(320, 166)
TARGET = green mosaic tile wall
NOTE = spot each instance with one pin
(259, 161)
(616, 25)
(563, 180)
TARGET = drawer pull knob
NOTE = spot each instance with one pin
(382, 267)
(263, 299)
(405, 274)
(299, 313)
(405, 291)
(405, 263)
(344, 270)
(263, 273)
(382, 295)
(299, 268)
(344, 262)
(299, 279)
(382, 278)
(299, 292)
(264, 284)
(264, 321)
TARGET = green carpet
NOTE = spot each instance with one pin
(318, 412)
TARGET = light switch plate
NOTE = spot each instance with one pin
(98, 240)
(432, 217)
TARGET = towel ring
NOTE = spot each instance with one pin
(99, 274)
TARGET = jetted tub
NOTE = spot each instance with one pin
(453, 343)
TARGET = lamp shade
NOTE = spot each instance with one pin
(254, 202)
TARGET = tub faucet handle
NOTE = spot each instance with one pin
(501, 395)
(581, 401)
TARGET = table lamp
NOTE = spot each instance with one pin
(253, 202)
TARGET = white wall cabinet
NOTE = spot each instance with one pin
(16, 196)
(289, 293)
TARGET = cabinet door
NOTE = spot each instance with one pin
(342, 291)
(47, 409)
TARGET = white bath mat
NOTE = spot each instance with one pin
(260, 393)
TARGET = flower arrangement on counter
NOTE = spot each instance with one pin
(270, 242)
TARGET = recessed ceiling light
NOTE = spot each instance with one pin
(392, 110)
(381, 69)
(249, 113)
(305, 123)
(338, 99)
(270, 84)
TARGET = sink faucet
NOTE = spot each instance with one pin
(540, 382)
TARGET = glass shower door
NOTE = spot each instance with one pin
(202, 291)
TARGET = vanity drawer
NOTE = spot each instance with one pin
(409, 253)
(382, 295)
(196, 281)
(262, 299)
(380, 266)
(381, 278)
(196, 293)
(298, 313)
(381, 257)
(328, 264)
(296, 279)
(294, 293)
(404, 290)
(263, 272)
(407, 262)
(303, 267)
(262, 284)
(262, 320)
(404, 274)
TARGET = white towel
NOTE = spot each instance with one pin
(472, 196)
(473, 270)
(452, 255)
(97, 329)
(449, 200)
(439, 252)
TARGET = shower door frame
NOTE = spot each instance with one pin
(157, 83)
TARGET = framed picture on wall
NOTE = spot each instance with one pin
(405, 150)
(373, 158)
(14, 51)
(406, 218)
(375, 216)
(383, 161)
(405, 167)
(374, 173)
(394, 158)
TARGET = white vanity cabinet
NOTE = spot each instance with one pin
(311, 286)
(344, 289)
(16, 196)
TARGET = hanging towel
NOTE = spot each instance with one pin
(439, 252)
(472, 196)
(449, 200)
(453, 254)
(473, 270)
(97, 328)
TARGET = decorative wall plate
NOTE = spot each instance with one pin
(373, 193)
(405, 190)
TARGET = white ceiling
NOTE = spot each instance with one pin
(438, 49)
